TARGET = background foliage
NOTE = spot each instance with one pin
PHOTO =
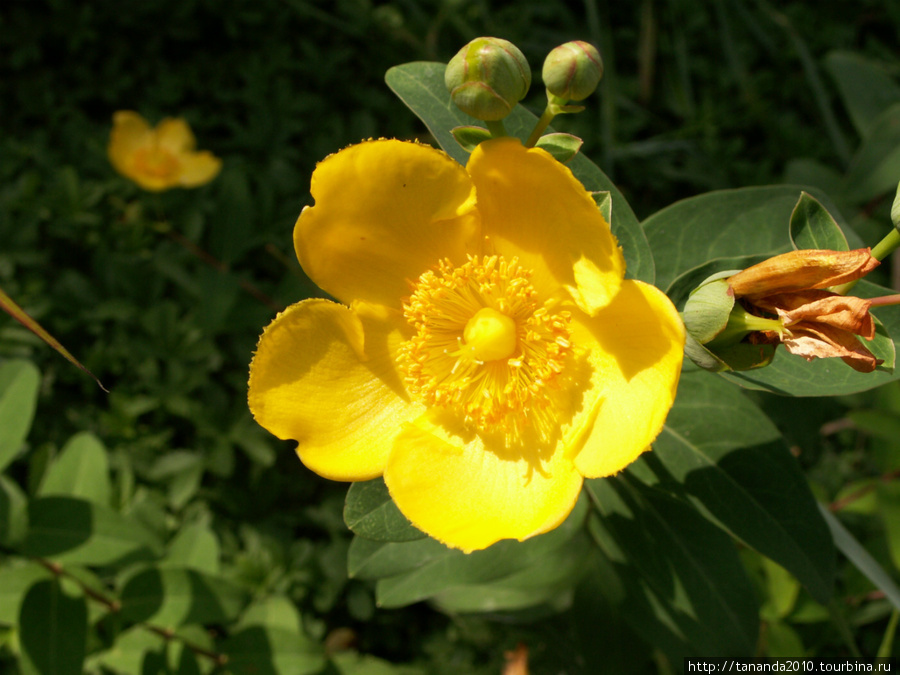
(164, 529)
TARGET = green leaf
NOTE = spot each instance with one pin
(13, 513)
(861, 558)
(267, 650)
(18, 576)
(19, 380)
(875, 166)
(866, 88)
(80, 470)
(370, 559)
(370, 512)
(274, 611)
(420, 86)
(549, 581)
(723, 454)
(128, 652)
(194, 546)
(76, 531)
(888, 500)
(351, 663)
(814, 228)
(442, 573)
(725, 224)
(672, 574)
(170, 597)
(52, 630)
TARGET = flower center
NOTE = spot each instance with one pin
(483, 346)
(490, 335)
(155, 161)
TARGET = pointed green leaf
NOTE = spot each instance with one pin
(80, 470)
(370, 512)
(171, 597)
(52, 630)
(80, 532)
(19, 381)
(866, 88)
(421, 87)
(675, 577)
(10, 307)
(724, 455)
(814, 228)
(861, 558)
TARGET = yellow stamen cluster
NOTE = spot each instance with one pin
(483, 345)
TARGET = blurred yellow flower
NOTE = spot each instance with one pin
(489, 354)
(160, 158)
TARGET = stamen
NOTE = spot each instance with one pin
(483, 346)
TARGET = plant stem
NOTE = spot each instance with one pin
(546, 117)
(496, 128)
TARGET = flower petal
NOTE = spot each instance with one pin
(802, 269)
(846, 312)
(533, 208)
(636, 349)
(469, 496)
(385, 212)
(175, 135)
(324, 375)
(198, 168)
(817, 340)
(130, 132)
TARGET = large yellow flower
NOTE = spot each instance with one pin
(160, 158)
(489, 354)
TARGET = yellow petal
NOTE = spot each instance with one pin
(636, 348)
(175, 135)
(469, 496)
(533, 208)
(198, 168)
(130, 132)
(385, 212)
(324, 375)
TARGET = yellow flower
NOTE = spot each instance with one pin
(161, 158)
(489, 354)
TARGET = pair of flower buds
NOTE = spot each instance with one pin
(489, 76)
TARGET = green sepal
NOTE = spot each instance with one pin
(563, 147)
(603, 200)
(469, 137)
(708, 307)
(741, 356)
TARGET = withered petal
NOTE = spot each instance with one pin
(845, 312)
(802, 270)
(817, 340)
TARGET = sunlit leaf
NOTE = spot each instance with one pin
(370, 512)
(19, 381)
(813, 227)
(80, 470)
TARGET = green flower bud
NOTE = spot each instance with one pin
(573, 70)
(487, 78)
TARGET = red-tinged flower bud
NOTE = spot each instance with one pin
(573, 70)
(487, 78)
